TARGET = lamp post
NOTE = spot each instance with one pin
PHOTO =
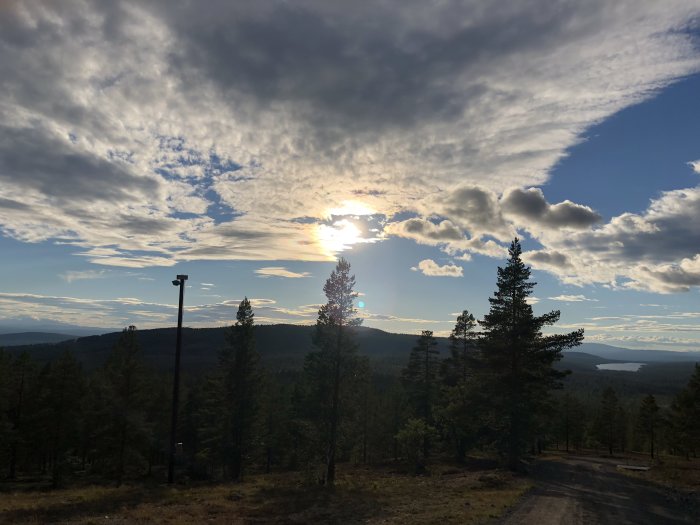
(180, 281)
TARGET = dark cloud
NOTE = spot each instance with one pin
(477, 210)
(548, 259)
(445, 231)
(13, 205)
(145, 225)
(531, 205)
(671, 278)
(425, 231)
(331, 63)
(58, 169)
(667, 232)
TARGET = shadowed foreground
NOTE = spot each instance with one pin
(586, 490)
(362, 495)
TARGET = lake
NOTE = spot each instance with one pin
(621, 367)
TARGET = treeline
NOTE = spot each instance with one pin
(491, 394)
(614, 425)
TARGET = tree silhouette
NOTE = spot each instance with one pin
(241, 386)
(517, 358)
(420, 379)
(606, 425)
(460, 399)
(648, 420)
(126, 435)
(332, 370)
(685, 414)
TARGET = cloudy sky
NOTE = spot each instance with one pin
(247, 144)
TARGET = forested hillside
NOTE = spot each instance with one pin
(305, 398)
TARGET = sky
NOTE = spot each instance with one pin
(250, 144)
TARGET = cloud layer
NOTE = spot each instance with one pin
(148, 134)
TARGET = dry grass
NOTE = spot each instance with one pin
(673, 472)
(362, 495)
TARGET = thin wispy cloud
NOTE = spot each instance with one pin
(280, 271)
(572, 298)
(81, 275)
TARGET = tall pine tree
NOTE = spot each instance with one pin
(517, 358)
(241, 386)
(332, 371)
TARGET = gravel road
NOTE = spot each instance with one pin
(579, 490)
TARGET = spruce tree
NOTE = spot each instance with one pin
(241, 386)
(517, 359)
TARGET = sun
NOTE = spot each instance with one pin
(338, 237)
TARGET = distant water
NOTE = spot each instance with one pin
(621, 367)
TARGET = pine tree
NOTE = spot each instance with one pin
(126, 435)
(685, 416)
(241, 386)
(568, 419)
(420, 379)
(63, 387)
(606, 425)
(15, 384)
(517, 359)
(459, 399)
(648, 421)
(331, 372)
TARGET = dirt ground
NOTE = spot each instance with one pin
(578, 490)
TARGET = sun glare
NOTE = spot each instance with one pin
(338, 237)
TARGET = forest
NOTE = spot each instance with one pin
(497, 395)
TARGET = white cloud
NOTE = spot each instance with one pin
(280, 271)
(79, 275)
(432, 269)
(656, 250)
(695, 165)
(572, 298)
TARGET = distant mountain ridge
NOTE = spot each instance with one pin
(642, 356)
(33, 338)
(283, 345)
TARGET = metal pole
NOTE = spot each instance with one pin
(180, 281)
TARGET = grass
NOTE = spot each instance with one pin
(673, 472)
(372, 495)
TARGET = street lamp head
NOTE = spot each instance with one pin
(179, 280)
